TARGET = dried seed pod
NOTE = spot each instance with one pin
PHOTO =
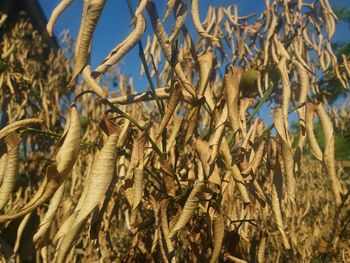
(91, 83)
(164, 43)
(169, 7)
(180, 13)
(309, 113)
(218, 236)
(59, 9)
(140, 8)
(277, 211)
(45, 223)
(282, 129)
(232, 78)
(139, 170)
(8, 184)
(57, 172)
(205, 62)
(89, 21)
(197, 22)
(189, 209)
(173, 103)
(217, 136)
(123, 48)
(3, 161)
(328, 155)
(20, 231)
(99, 182)
(20, 125)
(261, 248)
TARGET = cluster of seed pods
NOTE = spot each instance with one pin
(186, 167)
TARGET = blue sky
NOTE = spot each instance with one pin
(113, 27)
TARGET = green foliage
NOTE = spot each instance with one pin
(342, 140)
(343, 13)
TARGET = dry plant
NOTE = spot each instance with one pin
(184, 171)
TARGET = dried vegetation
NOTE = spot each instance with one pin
(185, 171)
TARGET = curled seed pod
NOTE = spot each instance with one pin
(240, 184)
(276, 209)
(203, 151)
(177, 120)
(169, 6)
(262, 248)
(328, 156)
(12, 144)
(205, 62)
(232, 79)
(91, 83)
(20, 231)
(197, 22)
(286, 91)
(123, 48)
(3, 161)
(189, 209)
(138, 186)
(140, 8)
(162, 93)
(346, 64)
(218, 236)
(139, 170)
(57, 172)
(56, 13)
(87, 28)
(173, 103)
(217, 136)
(49, 216)
(20, 125)
(99, 182)
(168, 177)
(165, 227)
(180, 17)
(309, 113)
(192, 123)
(164, 44)
(281, 125)
(65, 227)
